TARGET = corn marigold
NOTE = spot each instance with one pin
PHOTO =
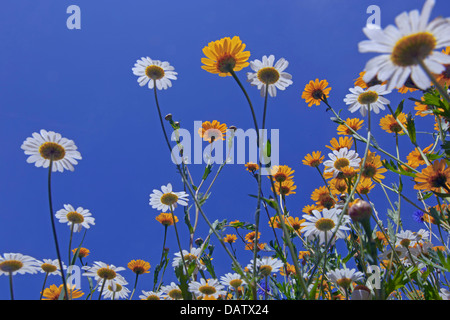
(315, 91)
(354, 123)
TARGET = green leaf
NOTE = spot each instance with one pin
(411, 128)
(399, 108)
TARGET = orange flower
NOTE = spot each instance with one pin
(433, 177)
(251, 167)
(344, 142)
(354, 123)
(139, 266)
(389, 124)
(212, 131)
(313, 160)
(315, 91)
(53, 292)
(230, 238)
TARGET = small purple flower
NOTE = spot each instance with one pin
(418, 216)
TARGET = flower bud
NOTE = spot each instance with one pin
(360, 211)
(168, 117)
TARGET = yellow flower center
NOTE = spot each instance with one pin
(368, 97)
(207, 290)
(265, 270)
(153, 297)
(341, 163)
(344, 282)
(75, 217)
(49, 268)
(226, 63)
(235, 283)
(324, 224)
(175, 294)
(10, 265)
(106, 273)
(413, 48)
(169, 199)
(268, 75)
(405, 242)
(52, 151)
(154, 72)
(118, 288)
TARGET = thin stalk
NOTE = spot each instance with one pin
(178, 241)
(11, 285)
(43, 286)
(55, 238)
(135, 284)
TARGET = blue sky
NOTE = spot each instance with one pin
(79, 83)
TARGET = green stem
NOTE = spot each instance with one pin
(55, 238)
(178, 241)
(11, 285)
(43, 286)
(135, 284)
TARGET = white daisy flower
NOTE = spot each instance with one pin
(207, 288)
(444, 293)
(50, 267)
(79, 218)
(189, 257)
(344, 277)
(406, 239)
(154, 71)
(268, 74)
(46, 146)
(360, 99)
(422, 235)
(15, 263)
(151, 295)
(114, 291)
(167, 199)
(101, 271)
(172, 291)
(266, 265)
(413, 39)
(323, 225)
(233, 280)
(341, 158)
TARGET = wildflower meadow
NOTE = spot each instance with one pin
(281, 151)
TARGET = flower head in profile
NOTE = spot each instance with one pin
(266, 74)
(166, 219)
(212, 131)
(14, 263)
(373, 167)
(251, 167)
(151, 72)
(151, 295)
(49, 266)
(48, 146)
(190, 257)
(266, 265)
(172, 291)
(225, 55)
(315, 91)
(360, 99)
(344, 277)
(281, 173)
(232, 280)
(139, 266)
(101, 271)
(166, 199)
(285, 188)
(355, 124)
(314, 159)
(53, 292)
(207, 288)
(79, 218)
(323, 224)
(413, 40)
(114, 291)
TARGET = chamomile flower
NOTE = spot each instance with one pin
(189, 257)
(101, 271)
(324, 224)
(79, 218)
(268, 74)
(266, 265)
(406, 239)
(151, 295)
(167, 199)
(233, 280)
(344, 277)
(172, 291)
(50, 267)
(341, 158)
(360, 99)
(207, 288)
(402, 47)
(14, 263)
(151, 72)
(114, 291)
(48, 146)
